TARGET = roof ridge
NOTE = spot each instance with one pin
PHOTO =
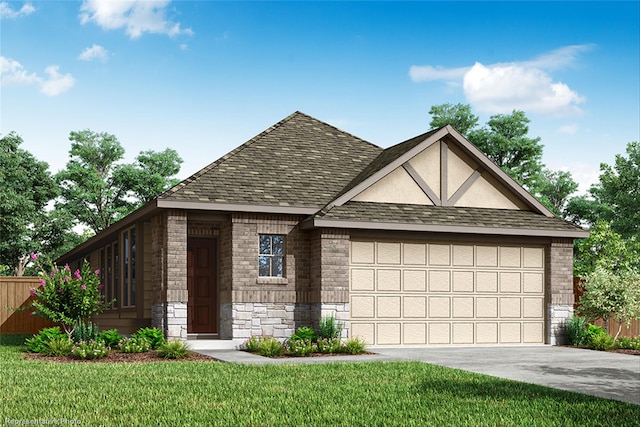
(336, 128)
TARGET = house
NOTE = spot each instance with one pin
(425, 242)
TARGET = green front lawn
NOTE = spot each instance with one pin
(358, 394)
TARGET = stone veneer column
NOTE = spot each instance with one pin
(330, 274)
(169, 266)
(560, 296)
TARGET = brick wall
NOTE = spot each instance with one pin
(559, 288)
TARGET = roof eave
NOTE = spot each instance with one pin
(237, 207)
(442, 228)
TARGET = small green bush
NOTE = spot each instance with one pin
(628, 343)
(300, 347)
(328, 345)
(601, 342)
(84, 332)
(111, 337)
(304, 333)
(90, 350)
(576, 330)
(173, 349)
(270, 347)
(253, 343)
(134, 345)
(354, 346)
(38, 343)
(593, 331)
(60, 346)
(328, 327)
(154, 336)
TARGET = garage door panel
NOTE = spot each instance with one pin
(487, 281)
(414, 293)
(414, 307)
(462, 281)
(439, 333)
(363, 279)
(414, 333)
(414, 280)
(439, 255)
(388, 333)
(462, 333)
(439, 307)
(389, 280)
(388, 307)
(439, 281)
(414, 253)
(510, 333)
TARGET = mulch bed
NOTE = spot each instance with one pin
(116, 356)
(617, 350)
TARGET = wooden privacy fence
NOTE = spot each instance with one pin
(14, 292)
(632, 330)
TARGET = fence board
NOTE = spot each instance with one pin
(14, 292)
(632, 330)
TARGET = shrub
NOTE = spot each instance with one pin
(84, 331)
(602, 342)
(270, 347)
(60, 346)
(304, 333)
(354, 346)
(38, 343)
(173, 349)
(328, 345)
(68, 297)
(300, 347)
(110, 337)
(576, 330)
(134, 345)
(592, 331)
(90, 350)
(628, 343)
(154, 336)
(328, 327)
(253, 343)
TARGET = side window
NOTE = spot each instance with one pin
(271, 258)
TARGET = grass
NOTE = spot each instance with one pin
(221, 394)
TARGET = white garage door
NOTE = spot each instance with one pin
(407, 293)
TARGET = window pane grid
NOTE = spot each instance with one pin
(271, 258)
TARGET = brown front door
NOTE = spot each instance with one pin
(202, 312)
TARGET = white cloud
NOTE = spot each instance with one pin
(570, 129)
(7, 12)
(94, 52)
(56, 83)
(136, 17)
(13, 73)
(584, 174)
(503, 87)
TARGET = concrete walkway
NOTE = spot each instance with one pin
(609, 375)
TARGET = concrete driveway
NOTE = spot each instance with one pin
(609, 375)
(598, 373)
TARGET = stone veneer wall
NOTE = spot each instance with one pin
(559, 289)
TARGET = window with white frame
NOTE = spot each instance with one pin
(271, 257)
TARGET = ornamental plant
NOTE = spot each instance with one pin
(68, 297)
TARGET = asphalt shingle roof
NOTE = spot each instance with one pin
(446, 216)
(299, 162)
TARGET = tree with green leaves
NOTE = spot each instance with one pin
(505, 140)
(459, 116)
(554, 189)
(98, 191)
(606, 249)
(26, 187)
(611, 295)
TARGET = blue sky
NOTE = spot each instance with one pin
(202, 77)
